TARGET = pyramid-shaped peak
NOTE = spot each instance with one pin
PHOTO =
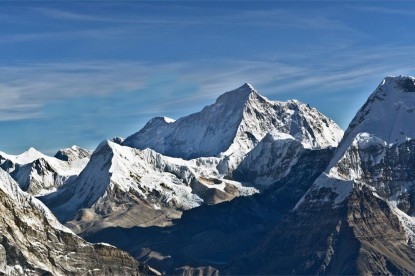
(247, 86)
(239, 95)
(30, 154)
(32, 150)
(385, 115)
(233, 125)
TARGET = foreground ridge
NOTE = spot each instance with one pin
(32, 241)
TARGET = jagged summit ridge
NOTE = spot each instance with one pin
(233, 125)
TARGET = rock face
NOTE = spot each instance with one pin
(357, 217)
(362, 236)
(39, 174)
(33, 242)
(234, 125)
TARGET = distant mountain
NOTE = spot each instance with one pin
(358, 216)
(234, 125)
(39, 174)
(122, 182)
(33, 242)
(73, 154)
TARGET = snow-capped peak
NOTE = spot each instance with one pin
(249, 86)
(384, 121)
(400, 83)
(387, 114)
(388, 110)
(233, 125)
(73, 153)
(168, 120)
(238, 97)
(24, 158)
(40, 174)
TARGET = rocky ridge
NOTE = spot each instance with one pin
(33, 242)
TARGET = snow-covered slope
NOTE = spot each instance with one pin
(271, 160)
(33, 242)
(39, 174)
(26, 157)
(121, 182)
(234, 125)
(383, 123)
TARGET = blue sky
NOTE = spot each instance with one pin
(81, 72)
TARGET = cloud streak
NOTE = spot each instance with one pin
(27, 87)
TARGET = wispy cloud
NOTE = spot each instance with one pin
(67, 15)
(105, 25)
(28, 87)
(277, 17)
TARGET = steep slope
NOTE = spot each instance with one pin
(362, 235)
(357, 216)
(377, 147)
(124, 186)
(39, 174)
(234, 125)
(33, 242)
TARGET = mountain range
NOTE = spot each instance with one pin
(136, 183)
(245, 186)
